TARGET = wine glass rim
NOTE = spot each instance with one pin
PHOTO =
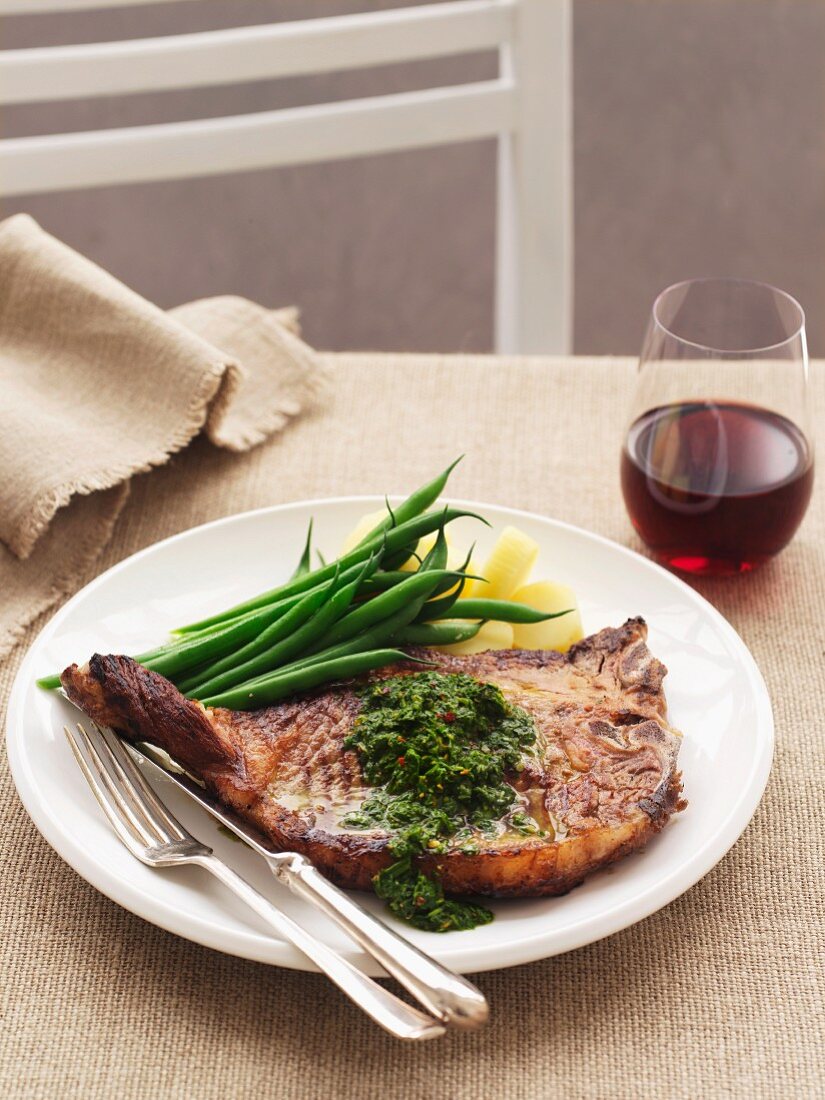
(743, 282)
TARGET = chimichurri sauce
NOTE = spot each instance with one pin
(437, 746)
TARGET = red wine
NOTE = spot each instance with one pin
(715, 487)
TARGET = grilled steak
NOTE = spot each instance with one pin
(603, 779)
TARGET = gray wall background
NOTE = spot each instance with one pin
(699, 149)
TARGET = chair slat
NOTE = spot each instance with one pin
(299, 135)
(242, 54)
(46, 7)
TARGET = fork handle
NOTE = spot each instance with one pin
(387, 1010)
(446, 994)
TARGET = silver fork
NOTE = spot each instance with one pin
(155, 837)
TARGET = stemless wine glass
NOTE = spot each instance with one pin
(717, 467)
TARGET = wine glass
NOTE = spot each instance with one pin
(717, 467)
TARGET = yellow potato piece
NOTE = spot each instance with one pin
(557, 634)
(493, 635)
(363, 527)
(509, 565)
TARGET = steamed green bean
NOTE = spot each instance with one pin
(503, 611)
(445, 633)
(285, 682)
(287, 648)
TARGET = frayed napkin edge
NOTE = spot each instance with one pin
(216, 384)
(92, 546)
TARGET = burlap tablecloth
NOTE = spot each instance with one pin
(718, 995)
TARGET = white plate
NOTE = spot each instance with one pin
(716, 695)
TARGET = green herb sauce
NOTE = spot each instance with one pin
(438, 747)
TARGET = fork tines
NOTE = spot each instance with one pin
(137, 815)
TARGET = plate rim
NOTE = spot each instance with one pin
(249, 944)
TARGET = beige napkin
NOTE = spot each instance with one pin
(96, 385)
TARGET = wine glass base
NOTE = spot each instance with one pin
(698, 565)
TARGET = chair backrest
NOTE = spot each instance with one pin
(527, 107)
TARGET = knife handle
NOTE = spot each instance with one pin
(446, 994)
(394, 1015)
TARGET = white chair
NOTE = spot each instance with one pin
(527, 108)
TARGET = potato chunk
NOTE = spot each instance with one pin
(558, 634)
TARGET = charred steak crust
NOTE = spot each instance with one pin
(604, 777)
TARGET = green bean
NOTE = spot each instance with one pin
(434, 608)
(369, 637)
(187, 655)
(281, 628)
(49, 683)
(190, 676)
(389, 541)
(366, 627)
(387, 579)
(280, 607)
(285, 602)
(436, 558)
(414, 505)
(367, 614)
(260, 641)
(377, 636)
(384, 579)
(437, 609)
(436, 633)
(306, 557)
(447, 586)
(157, 656)
(217, 632)
(503, 611)
(465, 565)
(285, 683)
(283, 651)
(401, 557)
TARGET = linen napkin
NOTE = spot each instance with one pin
(97, 384)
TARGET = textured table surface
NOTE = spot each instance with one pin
(719, 994)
